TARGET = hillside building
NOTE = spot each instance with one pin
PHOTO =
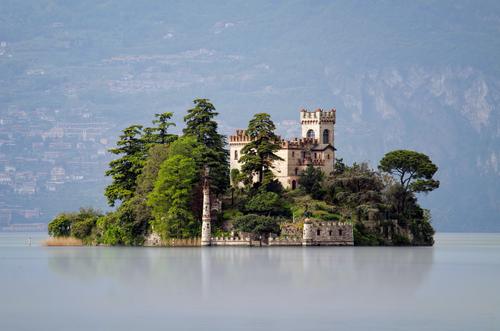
(315, 147)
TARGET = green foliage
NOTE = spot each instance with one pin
(159, 134)
(259, 154)
(400, 240)
(60, 226)
(414, 170)
(172, 196)
(355, 186)
(257, 224)
(267, 203)
(110, 232)
(311, 180)
(83, 222)
(125, 170)
(78, 224)
(125, 226)
(200, 124)
(339, 166)
(362, 238)
(422, 230)
(156, 156)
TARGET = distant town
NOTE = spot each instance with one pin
(42, 154)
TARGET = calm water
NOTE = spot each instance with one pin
(452, 286)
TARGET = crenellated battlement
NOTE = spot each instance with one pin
(311, 117)
(298, 143)
(240, 137)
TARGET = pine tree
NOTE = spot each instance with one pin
(159, 134)
(200, 123)
(259, 154)
(124, 170)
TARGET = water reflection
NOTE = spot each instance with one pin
(293, 288)
(225, 273)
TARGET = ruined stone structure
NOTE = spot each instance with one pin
(315, 147)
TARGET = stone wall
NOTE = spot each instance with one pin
(331, 234)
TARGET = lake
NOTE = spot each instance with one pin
(451, 286)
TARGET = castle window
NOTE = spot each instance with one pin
(235, 155)
(328, 156)
(318, 232)
(310, 134)
(330, 233)
(326, 136)
(296, 171)
(294, 185)
(315, 155)
(340, 232)
(293, 154)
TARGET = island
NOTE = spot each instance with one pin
(253, 189)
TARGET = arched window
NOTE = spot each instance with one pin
(326, 136)
(235, 155)
(310, 134)
(294, 185)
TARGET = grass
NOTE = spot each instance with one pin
(62, 241)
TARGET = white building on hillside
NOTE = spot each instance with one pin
(316, 147)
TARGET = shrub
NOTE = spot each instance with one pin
(257, 224)
(399, 240)
(267, 203)
(60, 226)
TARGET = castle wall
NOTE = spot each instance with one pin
(332, 234)
(297, 154)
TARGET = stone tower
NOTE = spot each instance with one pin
(206, 230)
(307, 235)
(318, 124)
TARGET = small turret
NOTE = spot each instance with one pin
(307, 235)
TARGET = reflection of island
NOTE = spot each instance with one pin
(328, 276)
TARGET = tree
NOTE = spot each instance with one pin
(159, 134)
(235, 178)
(257, 224)
(311, 180)
(200, 124)
(60, 226)
(267, 203)
(259, 154)
(414, 172)
(174, 190)
(125, 170)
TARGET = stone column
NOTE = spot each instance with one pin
(206, 231)
(307, 235)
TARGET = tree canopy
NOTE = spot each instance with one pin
(413, 170)
(159, 134)
(172, 197)
(200, 124)
(125, 170)
(260, 153)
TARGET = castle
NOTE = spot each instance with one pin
(315, 147)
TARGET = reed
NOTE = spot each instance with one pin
(62, 241)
